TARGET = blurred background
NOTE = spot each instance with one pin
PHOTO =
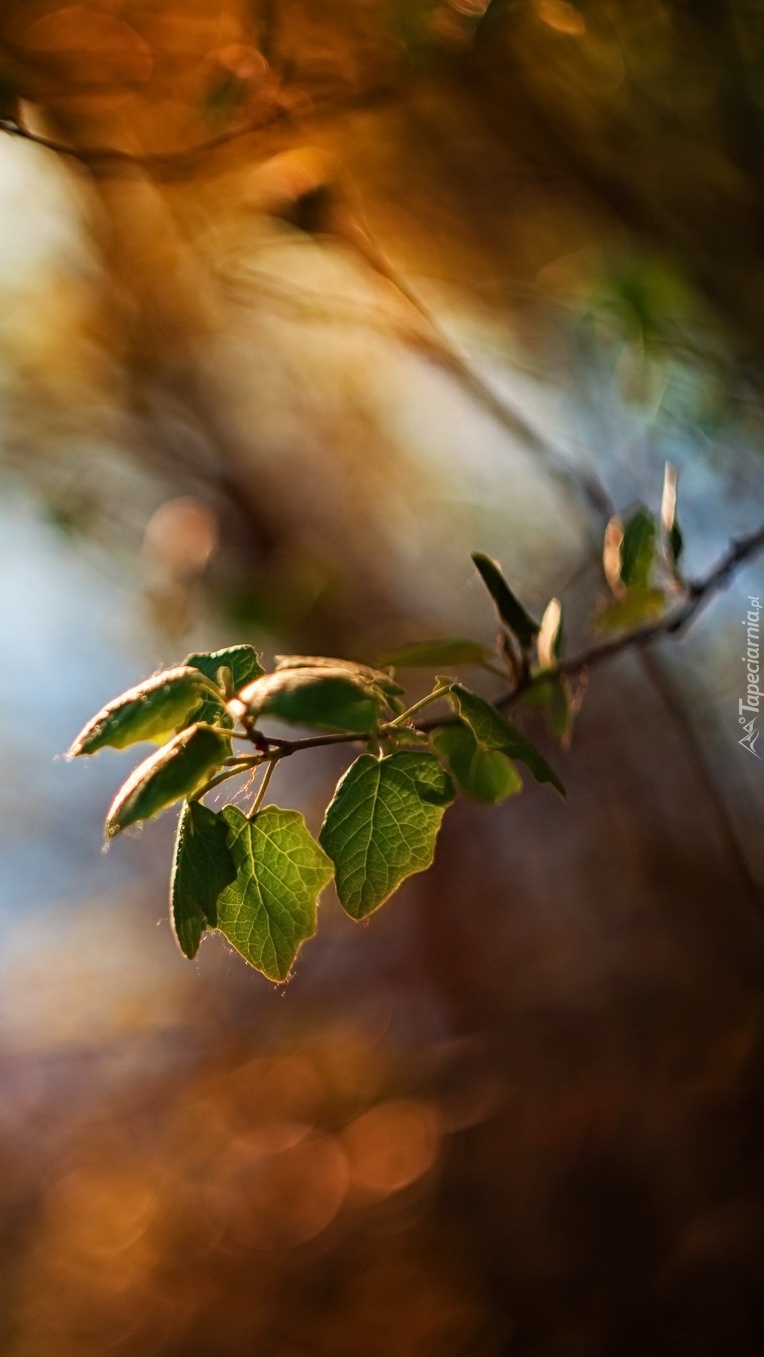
(299, 305)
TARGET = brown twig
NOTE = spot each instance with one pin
(699, 593)
(156, 162)
(172, 163)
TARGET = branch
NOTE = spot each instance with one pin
(158, 162)
(169, 164)
(433, 345)
(699, 593)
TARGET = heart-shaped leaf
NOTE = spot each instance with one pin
(269, 910)
(382, 825)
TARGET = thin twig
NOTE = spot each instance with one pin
(155, 162)
(177, 162)
(433, 345)
(675, 623)
(699, 593)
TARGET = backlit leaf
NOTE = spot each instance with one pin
(672, 533)
(152, 710)
(382, 825)
(241, 661)
(374, 677)
(549, 639)
(324, 698)
(270, 907)
(180, 768)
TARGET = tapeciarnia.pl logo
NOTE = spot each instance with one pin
(749, 706)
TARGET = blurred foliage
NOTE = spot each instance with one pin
(303, 295)
(581, 181)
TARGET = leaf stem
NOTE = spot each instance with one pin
(272, 760)
(238, 766)
(418, 706)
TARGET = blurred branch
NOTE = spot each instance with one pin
(155, 162)
(352, 230)
(435, 347)
(176, 163)
(349, 228)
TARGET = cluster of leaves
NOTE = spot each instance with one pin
(257, 877)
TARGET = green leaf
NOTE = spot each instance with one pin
(241, 661)
(150, 711)
(202, 868)
(484, 774)
(180, 768)
(493, 730)
(509, 608)
(433, 654)
(242, 666)
(324, 698)
(270, 907)
(638, 549)
(382, 825)
(375, 678)
(633, 609)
